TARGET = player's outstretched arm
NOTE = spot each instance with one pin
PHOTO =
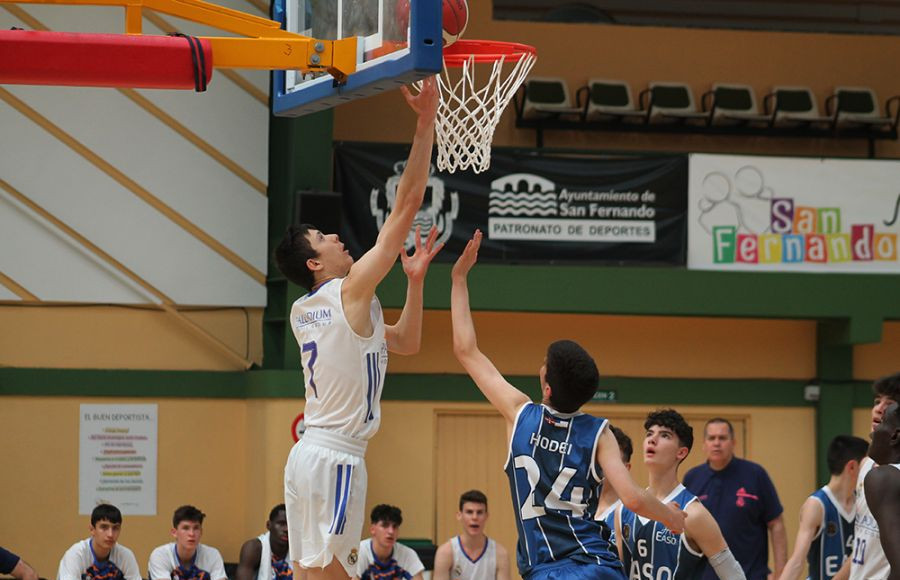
(374, 265)
(251, 553)
(703, 532)
(810, 519)
(443, 561)
(503, 396)
(633, 497)
(405, 337)
(882, 486)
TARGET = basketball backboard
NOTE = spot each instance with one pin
(399, 42)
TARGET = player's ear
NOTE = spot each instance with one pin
(682, 453)
(173, 532)
(313, 264)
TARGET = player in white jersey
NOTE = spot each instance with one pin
(100, 557)
(266, 556)
(471, 555)
(344, 343)
(186, 558)
(609, 500)
(868, 561)
(882, 485)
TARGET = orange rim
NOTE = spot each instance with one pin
(485, 51)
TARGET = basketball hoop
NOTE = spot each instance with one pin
(469, 110)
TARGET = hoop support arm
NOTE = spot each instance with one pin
(269, 46)
(338, 57)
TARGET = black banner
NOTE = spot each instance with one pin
(532, 207)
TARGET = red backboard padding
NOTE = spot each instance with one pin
(33, 57)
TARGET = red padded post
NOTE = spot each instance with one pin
(35, 57)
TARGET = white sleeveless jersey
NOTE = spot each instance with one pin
(868, 561)
(343, 372)
(265, 559)
(474, 566)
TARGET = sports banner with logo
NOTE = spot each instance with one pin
(531, 207)
(793, 214)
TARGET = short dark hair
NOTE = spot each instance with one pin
(108, 512)
(293, 252)
(888, 386)
(843, 449)
(386, 513)
(274, 513)
(472, 496)
(572, 375)
(187, 513)
(672, 419)
(719, 420)
(624, 441)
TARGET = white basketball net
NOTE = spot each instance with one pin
(467, 115)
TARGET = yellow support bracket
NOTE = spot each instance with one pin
(268, 45)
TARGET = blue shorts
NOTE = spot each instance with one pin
(571, 570)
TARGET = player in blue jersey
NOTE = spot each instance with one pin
(650, 551)
(825, 534)
(609, 500)
(559, 457)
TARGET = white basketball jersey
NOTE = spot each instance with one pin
(481, 566)
(868, 560)
(343, 372)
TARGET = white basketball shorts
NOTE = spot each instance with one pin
(325, 498)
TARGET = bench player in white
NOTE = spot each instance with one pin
(344, 342)
(471, 555)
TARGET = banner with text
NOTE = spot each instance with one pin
(531, 207)
(117, 458)
(793, 214)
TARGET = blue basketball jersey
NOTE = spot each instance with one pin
(555, 483)
(651, 551)
(608, 517)
(834, 541)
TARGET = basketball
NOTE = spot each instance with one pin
(456, 16)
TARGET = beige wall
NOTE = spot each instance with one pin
(641, 346)
(227, 457)
(123, 337)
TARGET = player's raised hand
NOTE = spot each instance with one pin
(468, 258)
(425, 103)
(416, 266)
(675, 521)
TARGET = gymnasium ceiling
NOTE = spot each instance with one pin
(839, 16)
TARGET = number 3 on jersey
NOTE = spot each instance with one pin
(313, 351)
(531, 509)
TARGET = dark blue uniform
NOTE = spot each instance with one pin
(652, 552)
(742, 500)
(833, 543)
(555, 483)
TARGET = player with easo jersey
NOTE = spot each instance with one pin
(559, 457)
(867, 561)
(649, 549)
(825, 533)
(344, 342)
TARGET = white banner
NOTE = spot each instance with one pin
(793, 214)
(569, 230)
(117, 458)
